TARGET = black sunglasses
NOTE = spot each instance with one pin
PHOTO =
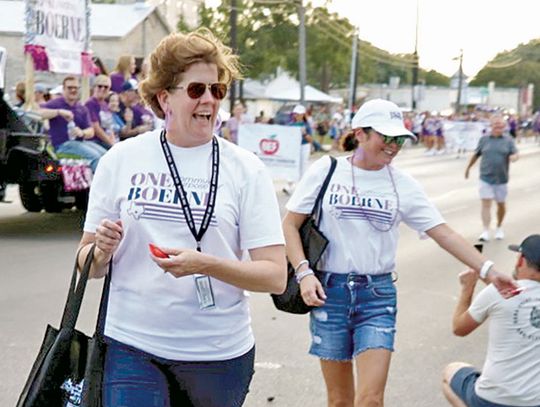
(399, 140)
(103, 86)
(196, 89)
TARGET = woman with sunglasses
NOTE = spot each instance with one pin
(178, 325)
(354, 319)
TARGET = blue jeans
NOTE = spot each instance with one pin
(134, 378)
(85, 149)
(359, 314)
(463, 383)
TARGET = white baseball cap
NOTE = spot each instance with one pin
(299, 109)
(382, 116)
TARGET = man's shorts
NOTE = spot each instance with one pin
(498, 192)
(462, 385)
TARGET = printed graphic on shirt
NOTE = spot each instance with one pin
(527, 318)
(154, 196)
(373, 206)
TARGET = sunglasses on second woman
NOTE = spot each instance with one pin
(399, 140)
(196, 89)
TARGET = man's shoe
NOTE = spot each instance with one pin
(499, 234)
(484, 237)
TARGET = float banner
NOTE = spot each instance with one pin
(277, 146)
(61, 27)
(463, 135)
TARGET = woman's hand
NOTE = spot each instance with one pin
(108, 237)
(182, 262)
(504, 284)
(312, 291)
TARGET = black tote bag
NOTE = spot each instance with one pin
(314, 243)
(69, 365)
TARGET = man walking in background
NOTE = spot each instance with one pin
(497, 151)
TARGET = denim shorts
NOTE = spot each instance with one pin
(134, 378)
(462, 385)
(359, 314)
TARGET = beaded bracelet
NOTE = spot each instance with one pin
(300, 276)
(302, 262)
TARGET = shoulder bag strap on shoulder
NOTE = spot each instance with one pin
(316, 213)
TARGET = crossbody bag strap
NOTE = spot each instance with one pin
(76, 293)
(316, 213)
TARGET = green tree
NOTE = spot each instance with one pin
(515, 68)
(267, 37)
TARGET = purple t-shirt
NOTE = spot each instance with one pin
(94, 107)
(58, 125)
(138, 112)
(117, 80)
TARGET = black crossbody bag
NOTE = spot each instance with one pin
(314, 243)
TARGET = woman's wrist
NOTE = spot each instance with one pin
(484, 270)
(302, 274)
(300, 264)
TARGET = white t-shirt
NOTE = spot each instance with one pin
(511, 372)
(152, 310)
(355, 245)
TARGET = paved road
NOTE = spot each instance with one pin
(36, 252)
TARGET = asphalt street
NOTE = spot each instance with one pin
(37, 252)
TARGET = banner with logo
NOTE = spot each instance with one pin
(277, 146)
(58, 29)
(463, 134)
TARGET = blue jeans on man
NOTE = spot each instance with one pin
(84, 149)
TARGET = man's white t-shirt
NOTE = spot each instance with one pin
(350, 220)
(511, 372)
(152, 310)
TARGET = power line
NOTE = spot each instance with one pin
(501, 65)
(383, 55)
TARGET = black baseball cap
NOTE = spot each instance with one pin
(530, 249)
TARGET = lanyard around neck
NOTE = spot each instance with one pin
(182, 193)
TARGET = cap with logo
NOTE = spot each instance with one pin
(530, 249)
(299, 109)
(382, 116)
(130, 84)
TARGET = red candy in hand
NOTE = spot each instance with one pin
(156, 251)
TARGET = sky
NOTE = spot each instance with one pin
(482, 28)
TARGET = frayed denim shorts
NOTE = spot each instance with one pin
(359, 314)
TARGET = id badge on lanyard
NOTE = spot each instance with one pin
(205, 294)
(203, 283)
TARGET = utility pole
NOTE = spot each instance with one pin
(354, 71)
(302, 51)
(233, 16)
(460, 82)
(415, 62)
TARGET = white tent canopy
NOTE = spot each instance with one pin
(285, 88)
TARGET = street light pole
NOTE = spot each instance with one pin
(460, 82)
(354, 71)
(415, 62)
(233, 16)
(302, 51)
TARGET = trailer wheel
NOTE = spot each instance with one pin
(81, 200)
(50, 194)
(30, 199)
